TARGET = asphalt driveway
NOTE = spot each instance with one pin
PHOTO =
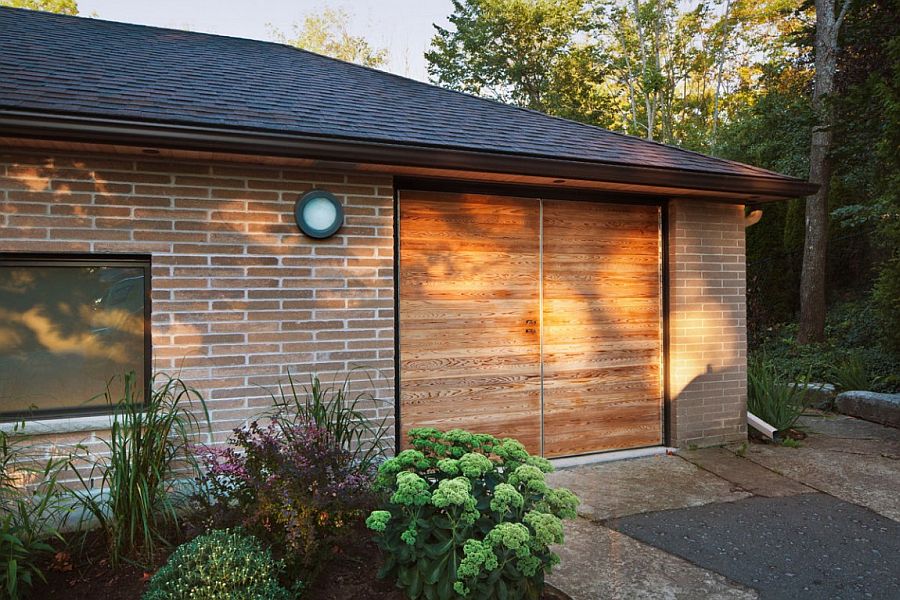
(820, 521)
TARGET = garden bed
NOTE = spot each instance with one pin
(350, 573)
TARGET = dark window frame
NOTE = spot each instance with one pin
(55, 259)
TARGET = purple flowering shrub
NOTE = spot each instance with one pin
(292, 485)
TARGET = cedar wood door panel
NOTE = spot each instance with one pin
(601, 327)
(470, 318)
(469, 285)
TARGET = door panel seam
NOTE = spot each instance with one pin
(541, 310)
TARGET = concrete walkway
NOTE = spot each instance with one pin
(763, 521)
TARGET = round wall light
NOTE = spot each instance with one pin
(319, 214)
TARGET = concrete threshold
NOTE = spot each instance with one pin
(602, 457)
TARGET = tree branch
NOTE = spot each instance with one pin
(840, 19)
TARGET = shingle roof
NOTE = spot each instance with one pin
(89, 67)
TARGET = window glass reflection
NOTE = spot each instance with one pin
(65, 331)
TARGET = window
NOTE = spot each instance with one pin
(68, 326)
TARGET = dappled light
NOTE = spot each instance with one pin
(472, 287)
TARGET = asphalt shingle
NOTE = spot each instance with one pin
(89, 67)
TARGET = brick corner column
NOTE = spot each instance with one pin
(707, 323)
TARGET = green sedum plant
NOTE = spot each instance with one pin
(468, 515)
(224, 564)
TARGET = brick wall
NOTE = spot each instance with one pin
(239, 294)
(707, 323)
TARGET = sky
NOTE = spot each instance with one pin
(404, 27)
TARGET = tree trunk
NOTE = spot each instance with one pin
(720, 59)
(812, 279)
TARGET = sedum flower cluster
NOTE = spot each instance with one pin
(220, 565)
(468, 515)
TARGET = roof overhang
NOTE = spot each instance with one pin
(402, 158)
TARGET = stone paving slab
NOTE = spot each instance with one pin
(854, 460)
(615, 489)
(599, 563)
(743, 473)
(801, 546)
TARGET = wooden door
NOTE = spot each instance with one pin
(602, 337)
(469, 285)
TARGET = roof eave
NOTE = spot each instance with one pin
(190, 137)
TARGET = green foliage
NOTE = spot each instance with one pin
(771, 129)
(335, 408)
(468, 515)
(220, 565)
(886, 296)
(32, 508)
(852, 373)
(772, 126)
(659, 69)
(854, 331)
(63, 7)
(525, 52)
(328, 33)
(137, 497)
(772, 397)
(295, 488)
(790, 443)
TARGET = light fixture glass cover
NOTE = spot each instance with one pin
(319, 214)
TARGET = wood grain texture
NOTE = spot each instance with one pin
(602, 339)
(469, 280)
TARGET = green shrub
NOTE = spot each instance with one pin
(32, 508)
(775, 399)
(138, 498)
(468, 515)
(854, 330)
(220, 565)
(19, 559)
(293, 487)
(337, 410)
(886, 298)
(852, 373)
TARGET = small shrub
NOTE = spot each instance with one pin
(886, 299)
(293, 487)
(776, 400)
(336, 409)
(854, 328)
(137, 499)
(220, 565)
(32, 508)
(468, 515)
(852, 373)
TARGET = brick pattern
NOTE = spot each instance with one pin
(707, 323)
(239, 294)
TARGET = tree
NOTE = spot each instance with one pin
(660, 69)
(770, 127)
(328, 33)
(531, 53)
(62, 7)
(815, 246)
